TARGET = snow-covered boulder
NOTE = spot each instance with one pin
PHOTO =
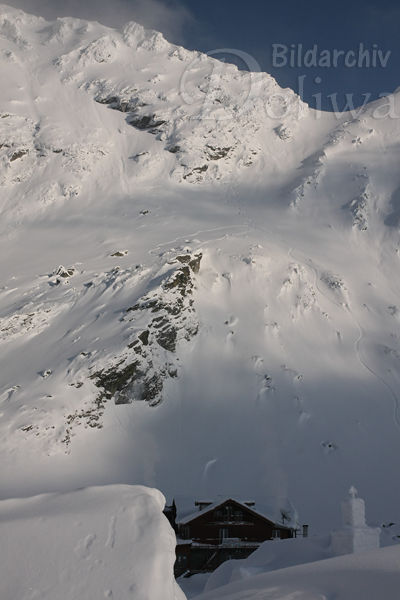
(99, 542)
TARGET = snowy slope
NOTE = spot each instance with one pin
(110, 542)
(369, 575)
(271, 557)
(199, 277)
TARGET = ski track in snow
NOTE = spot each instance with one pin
(358, 342)
(183, 239)
(382, 380)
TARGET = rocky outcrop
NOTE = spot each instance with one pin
(162, 319)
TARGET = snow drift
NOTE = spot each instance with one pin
(368, 575)
(111, 542)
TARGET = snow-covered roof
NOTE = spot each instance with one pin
(241, 503)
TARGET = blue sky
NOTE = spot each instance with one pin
(253, 26)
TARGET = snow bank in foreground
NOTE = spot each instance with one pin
(271, 557)
(368, 576)
(100, 542)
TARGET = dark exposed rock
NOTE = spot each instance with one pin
(146, 123)
(117, 103)
(202, 169)
(185, 258)
(153, 387)
(108, 100)
(136, 157)
(115, 381)
(45, 374)
(91, 417)
(18, 154)
(194, 264)
(359, 209)
(166, 338)
(64, 273)
(132, 308)
(181, 281)
(139, 372)
(216, 152)
(144, 337)
(174, 149)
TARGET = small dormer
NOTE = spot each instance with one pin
(202, 504)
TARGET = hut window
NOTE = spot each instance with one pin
(186, 532)
(276, 533)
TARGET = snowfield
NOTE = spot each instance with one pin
(199, 278)
(370, 576)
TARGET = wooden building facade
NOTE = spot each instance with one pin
(216, 532)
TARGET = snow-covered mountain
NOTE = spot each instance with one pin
(199, 274)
